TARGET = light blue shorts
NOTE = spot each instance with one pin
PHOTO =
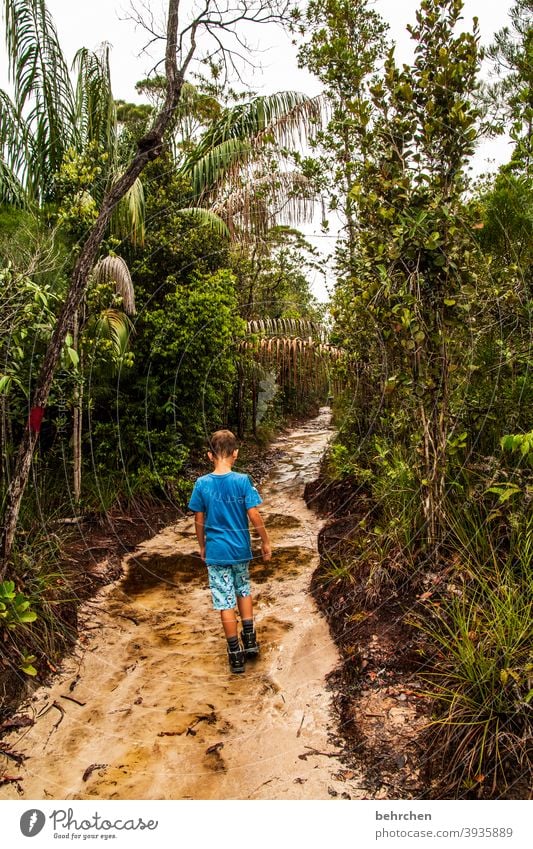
(227, 582)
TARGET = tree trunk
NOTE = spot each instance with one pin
(76, 420)
(148, 149)
(4, 440)
(240, 403)
(434, 417)
(254, 406)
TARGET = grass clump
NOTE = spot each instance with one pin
(481, 633)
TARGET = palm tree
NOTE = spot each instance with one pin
(232, 181)
(238, 167)
(112, 323)
(48, 116)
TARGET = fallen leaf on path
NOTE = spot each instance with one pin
(17, 722)
(7, 779)
(344, 774)
(15, 756)
(90, 769)
(216, 748)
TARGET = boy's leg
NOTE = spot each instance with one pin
(246, 607)
(248, 636)
(229, 622)
(221, 583)
(236, 655)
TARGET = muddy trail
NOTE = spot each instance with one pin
(145, 706)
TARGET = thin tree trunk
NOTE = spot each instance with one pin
(434, 414)
(254, 407)
(240, 403)
(76, 420)
(148, 149)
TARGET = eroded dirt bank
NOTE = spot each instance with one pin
(378, 691)
(145, 706)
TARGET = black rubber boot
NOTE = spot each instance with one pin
(236, 660)
(250, 644)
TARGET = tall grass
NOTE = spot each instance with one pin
(482, 679)
(33, 646)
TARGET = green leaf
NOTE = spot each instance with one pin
(7, 589)
(504, 491)
(28, 616)
(5, 383)
(73, 355)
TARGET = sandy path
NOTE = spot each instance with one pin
(161, 716)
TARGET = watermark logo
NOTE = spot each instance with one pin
(32, 822)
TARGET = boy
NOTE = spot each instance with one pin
(223, 501)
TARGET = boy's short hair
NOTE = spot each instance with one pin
(222, 443)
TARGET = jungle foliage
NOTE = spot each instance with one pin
(433, 304)
(185, 325)
(202, 243)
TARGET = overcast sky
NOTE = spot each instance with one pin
(87, 24)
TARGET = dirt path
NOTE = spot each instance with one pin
(156, 714)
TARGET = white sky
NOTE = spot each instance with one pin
(87, 24)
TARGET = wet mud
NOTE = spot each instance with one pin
(145, 706)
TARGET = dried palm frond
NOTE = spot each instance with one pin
(113, 269)
(286, 327)
(260, 201)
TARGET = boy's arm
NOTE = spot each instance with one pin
(200, 532)
(257, 521)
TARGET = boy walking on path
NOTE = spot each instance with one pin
(223, 501)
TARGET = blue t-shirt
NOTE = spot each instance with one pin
(225, 500)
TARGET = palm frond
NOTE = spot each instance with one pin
(293, 119)
(259, 202)
(128, 218)
(12, 191)
(243, 130)
(15, 147)
(115, 325)
(208, 218)
(286, 327)
(41, 81)
(216, 164)
(113, 269)
(96, 115)
(286, 115)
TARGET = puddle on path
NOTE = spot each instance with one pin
(156, 711)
